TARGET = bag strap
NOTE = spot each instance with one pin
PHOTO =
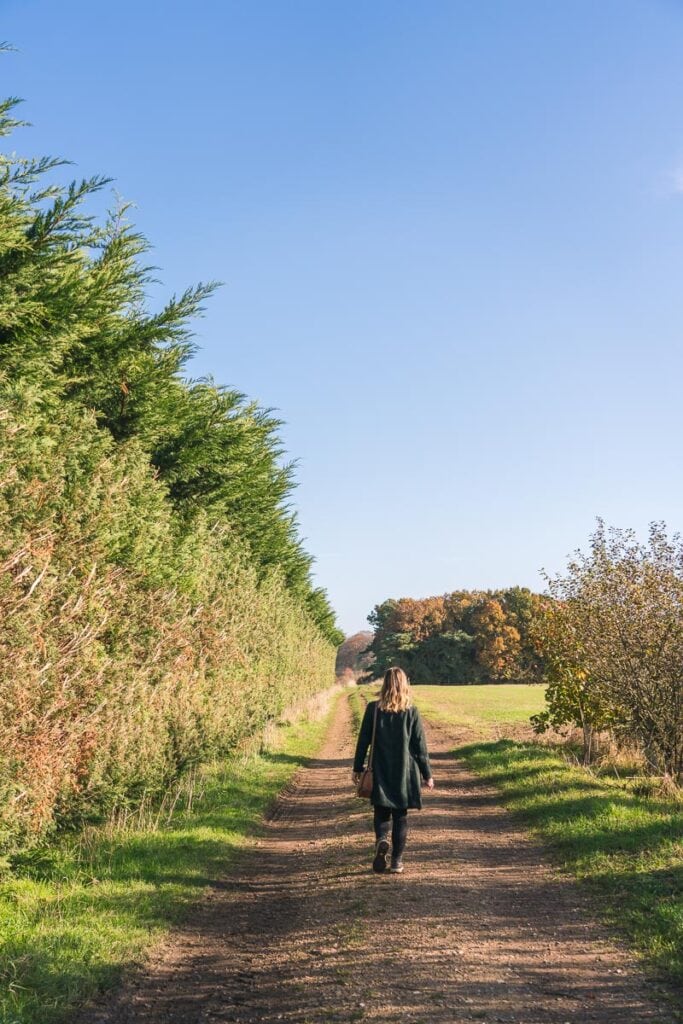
(372, 741)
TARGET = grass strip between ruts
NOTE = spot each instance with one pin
(625, 848)
(73, 916)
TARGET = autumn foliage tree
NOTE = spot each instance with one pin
(496, 640)
(459, 637)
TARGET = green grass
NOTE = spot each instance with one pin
(357, 705)
(480, 708)
(73, 917)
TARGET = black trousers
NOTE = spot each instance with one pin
(399, 828)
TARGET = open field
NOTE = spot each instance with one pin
(71, 917)
(481, 709)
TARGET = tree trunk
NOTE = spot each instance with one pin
(590, 743)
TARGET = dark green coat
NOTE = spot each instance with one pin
(400, 756)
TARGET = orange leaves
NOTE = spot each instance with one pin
(420, 618)
(459, 637)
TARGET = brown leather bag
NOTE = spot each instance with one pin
(364, 789)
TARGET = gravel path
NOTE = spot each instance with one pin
(478, 928)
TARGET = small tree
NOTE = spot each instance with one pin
(572, 695)
(622, 625)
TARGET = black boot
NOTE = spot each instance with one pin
(379, 864)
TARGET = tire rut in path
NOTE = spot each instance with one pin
(479, 928)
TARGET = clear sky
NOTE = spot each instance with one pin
(451, 236)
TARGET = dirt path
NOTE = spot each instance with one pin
(477, 929)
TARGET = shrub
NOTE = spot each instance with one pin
(615, 642)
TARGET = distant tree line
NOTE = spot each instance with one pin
(467, 636)
(155, 597)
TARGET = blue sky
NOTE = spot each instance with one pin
(451, 236)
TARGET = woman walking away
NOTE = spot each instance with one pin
(399, 760)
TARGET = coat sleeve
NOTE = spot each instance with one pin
(418, 747)
(364, 737)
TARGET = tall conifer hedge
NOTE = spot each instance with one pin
(155, 599)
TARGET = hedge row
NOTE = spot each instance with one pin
(156, 601)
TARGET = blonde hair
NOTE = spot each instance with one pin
(395, 692)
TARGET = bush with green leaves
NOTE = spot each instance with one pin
(613, 640)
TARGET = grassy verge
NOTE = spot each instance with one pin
(626, 848)
(357, 705)
(73, 916)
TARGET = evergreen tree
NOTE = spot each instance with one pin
(73, 320)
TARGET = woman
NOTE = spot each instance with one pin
(399, 760)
